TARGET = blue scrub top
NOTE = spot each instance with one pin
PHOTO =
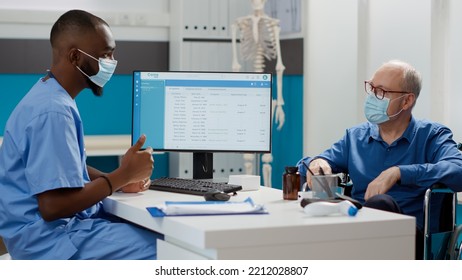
(43, 149)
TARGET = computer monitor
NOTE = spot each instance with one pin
(203, 113)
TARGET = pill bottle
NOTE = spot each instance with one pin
(291, 183)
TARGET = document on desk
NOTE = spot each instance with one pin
(195, 208)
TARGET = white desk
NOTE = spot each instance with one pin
(285, 233)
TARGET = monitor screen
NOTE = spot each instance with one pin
(203, 112)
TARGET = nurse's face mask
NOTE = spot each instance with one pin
(106, 69)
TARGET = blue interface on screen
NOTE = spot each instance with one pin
(202, 111)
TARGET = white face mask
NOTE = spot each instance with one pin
(106, 69)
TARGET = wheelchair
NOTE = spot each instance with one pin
(441, 233)
(444, 242)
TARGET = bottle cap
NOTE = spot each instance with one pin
(291, 169)
(352, 211)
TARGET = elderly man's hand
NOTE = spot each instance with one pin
(383, 183)
(316, 166)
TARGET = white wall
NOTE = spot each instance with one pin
(406, 37)
(453, 103)
(146, 20)
(330, 70)
(347, 40)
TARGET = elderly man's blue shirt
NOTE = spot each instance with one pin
(425, 154)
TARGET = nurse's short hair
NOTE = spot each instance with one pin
(76, 22)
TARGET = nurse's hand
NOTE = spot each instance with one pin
(140, 186)
(136, 165)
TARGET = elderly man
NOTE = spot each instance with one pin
(393, 158)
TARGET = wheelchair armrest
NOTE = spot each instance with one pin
(447, 219)
(439, 187)
(436, 188)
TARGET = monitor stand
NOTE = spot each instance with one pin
(202, 166)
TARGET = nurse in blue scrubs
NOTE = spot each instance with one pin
(50, 202)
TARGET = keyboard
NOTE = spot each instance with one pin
(190, 186)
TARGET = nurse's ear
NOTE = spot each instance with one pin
(74, 57)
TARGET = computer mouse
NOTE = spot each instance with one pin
(216, 195)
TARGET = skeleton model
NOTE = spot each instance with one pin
(259, 37)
